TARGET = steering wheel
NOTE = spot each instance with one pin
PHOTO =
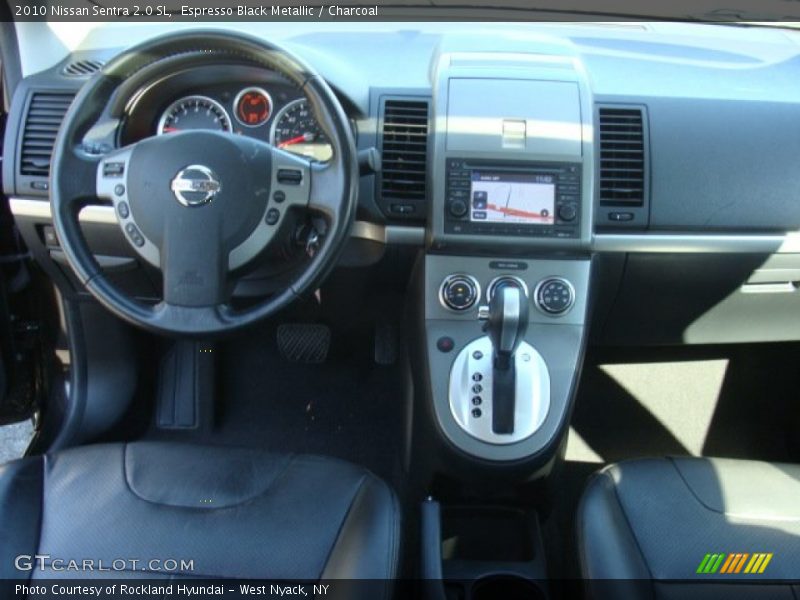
(198, 204)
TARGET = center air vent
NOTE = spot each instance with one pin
(45, 113)
(404, 149)
(622, 157)
(82, 68)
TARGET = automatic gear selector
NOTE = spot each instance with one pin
(506, 326)
(499, 384)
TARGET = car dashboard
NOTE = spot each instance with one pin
(662, 152)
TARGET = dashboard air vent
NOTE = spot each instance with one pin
(404, 148)
(622, 157)
(82, 68)
(45, 114)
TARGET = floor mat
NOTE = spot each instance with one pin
(347, 407)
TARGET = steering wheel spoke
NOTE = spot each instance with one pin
(325, 180)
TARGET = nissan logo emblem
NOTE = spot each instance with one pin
(195, 185)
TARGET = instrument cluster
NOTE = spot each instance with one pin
(272, 111)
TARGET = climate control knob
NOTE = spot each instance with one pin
(554, 296)
(459, 292)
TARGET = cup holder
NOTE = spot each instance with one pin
(507, 587)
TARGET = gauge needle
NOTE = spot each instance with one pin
(306, 137)
(170, 129)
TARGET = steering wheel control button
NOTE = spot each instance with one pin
(113, 169)
(555, 296)
(273, 215)
(477, 377)
(119, 189)
(477, 355)
(477, 400)
(279, 196)
(134, 234)
(477, 413)
(459, 292)
(445, 344)
(123, 210)
(290, 176)
(195, 185)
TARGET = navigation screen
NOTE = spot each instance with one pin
(512, 198)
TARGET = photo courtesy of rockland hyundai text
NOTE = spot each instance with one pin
(407, 300)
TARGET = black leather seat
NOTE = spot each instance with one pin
(235, 512)
(653, 521)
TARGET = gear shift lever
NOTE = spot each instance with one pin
(508, 320)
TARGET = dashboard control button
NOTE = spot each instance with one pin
(567, 212)
(279, 196)
(445, 344)
(273, 214)
(458, 208)
(620, 216)
(555, 296)
(119, 189)
(50, 237)
(123, 210)
(459, 292)
(402, 209)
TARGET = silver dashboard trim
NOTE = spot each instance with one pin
(697, 243)
(409, 235)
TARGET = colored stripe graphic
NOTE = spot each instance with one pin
(730, 564)
(765, 563)
(727, 564)
(703, 563)
(734, 563)
(713, 563)
(740, 564)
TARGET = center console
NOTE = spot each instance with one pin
(506, 273)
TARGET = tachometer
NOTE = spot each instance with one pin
(296, 130)
(194, 112)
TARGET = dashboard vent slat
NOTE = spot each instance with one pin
(622, 156)
(82, 68)
(404, 149)
(45, 113)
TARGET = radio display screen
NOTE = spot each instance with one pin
(503, 197)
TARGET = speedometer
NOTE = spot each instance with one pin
(296, 130)
(194, 112)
